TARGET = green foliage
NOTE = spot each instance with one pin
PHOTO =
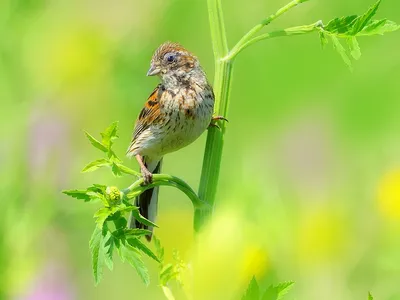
(169, 271)
(108, 136)
(273, 292)
(253, 290)
(132, 256)
(115, 205)
(370, 296)
(350, 28)
(111, 232)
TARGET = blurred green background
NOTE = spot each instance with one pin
(310, 182)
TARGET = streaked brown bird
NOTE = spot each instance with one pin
(177, 112)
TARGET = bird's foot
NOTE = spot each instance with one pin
(214, 121)
(147, 176)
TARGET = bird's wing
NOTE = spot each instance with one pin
(148, 116)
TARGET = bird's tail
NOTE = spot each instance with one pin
(148, 200)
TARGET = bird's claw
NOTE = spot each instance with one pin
(219, 118)
(147, 176)
(214, 121)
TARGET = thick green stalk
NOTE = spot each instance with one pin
(222, 85)
(215, 142)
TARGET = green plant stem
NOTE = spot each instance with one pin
(298, 30)
(264, 23)
(214, 144)
(136, 188)
(222, 85)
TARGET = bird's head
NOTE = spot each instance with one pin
(172, 60)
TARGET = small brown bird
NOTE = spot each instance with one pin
(177, 112)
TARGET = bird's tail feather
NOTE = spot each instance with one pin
(148, 200)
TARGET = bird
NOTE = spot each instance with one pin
(176, 113)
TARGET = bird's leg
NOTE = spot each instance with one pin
(214, 121)
(147, 176)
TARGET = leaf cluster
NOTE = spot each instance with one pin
(108, 136)
(111, 232)
(350, 28)
(273, 292)
(169, 271)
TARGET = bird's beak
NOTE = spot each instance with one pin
(154, 70)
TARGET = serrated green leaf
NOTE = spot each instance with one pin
(340, 49)
(167, 273)
(364, 19)
(108, 248)
(253, 291)
(98, 188)
(94, 165)
(136, 243)
(133, 257)
(340, 25)
(95, 142)
(141, 219)
(379, 27)
(276, 292)
(355, 50)
(136, 232)
(96, 250)
(116, 170)
(103, 213)
(370, 296)
(159, 248)
(109, 134)
(78, 194)
(323, 39)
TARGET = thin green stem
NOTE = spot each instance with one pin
(249, 35)
(298, 30)
(136, 188)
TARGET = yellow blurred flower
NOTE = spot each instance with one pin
(389, 195)
(321, 236)
(227, 257)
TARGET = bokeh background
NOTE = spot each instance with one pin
(310, 182)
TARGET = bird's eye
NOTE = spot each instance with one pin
(170, 57)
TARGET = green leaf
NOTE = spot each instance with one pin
(323, 39)
(78, 194)
(95, 142)
(96, 250)
(340, 25)
(159, 248)
(108, 248)
(136, 243)
(354, 48)
(116, 170)
(362, 21)
(94, 165)
(167, 273)
(276, 292)
(370, 296)
(109, 134)
(340, 49)
(133, 257)
(136, 232)
(98, 188)
(103, 213)
(141, 219)
(379, 27)
(127, 170)
(253, 291)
